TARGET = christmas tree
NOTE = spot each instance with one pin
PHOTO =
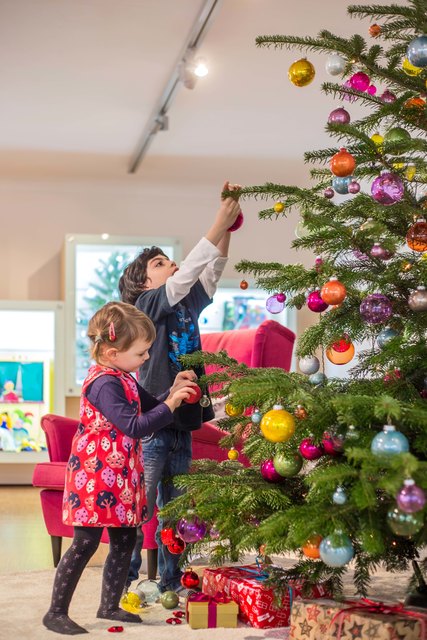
(338, 466)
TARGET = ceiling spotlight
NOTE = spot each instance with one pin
(200, 67)
(192, 68)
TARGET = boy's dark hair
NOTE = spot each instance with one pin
(132, 282)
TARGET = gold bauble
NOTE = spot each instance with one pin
(301, 72)
(410, 69)
(278, 207)
(406, 266)
(410, 172)
(233, 454)
(277, 425)
(233, 411)
(378, 140)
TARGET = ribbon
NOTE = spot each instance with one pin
(365, 605)
(212, 602)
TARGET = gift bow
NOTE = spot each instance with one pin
(212, 601)
(374, 606)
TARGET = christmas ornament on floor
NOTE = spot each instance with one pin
(301, 72)
(147, 590)
(277, 425)
(169, 599)
(132, 602)
(389, 442)
(190, 579)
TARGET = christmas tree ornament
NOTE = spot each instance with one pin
(344, 344)
(416, 238)
(132, 603)
(233, 410)
(339, 116)
(309, 365)
(300, 412)
(176, 547)
(339, 496)
(392, 376)
(204, 401)
(169, 599)
(301, 72)
(277, 425)
(417, 301)
(371, 90)
(256, 417)
(280, 297)
(388, 97)
(287, 465)
(410, 172)
(387, 189)
(315, 302)
(167, 535)
(311, 548)
(415, 104)
(359, 81)
(336, 550)
(237, 223)
(273, 305)
(194, 397)
(367, 225)
(340, 357)
(404, 524)
(374, 30)
(380, 253)
(410, 498)
(335, 64)
(244, 285)
(232, 454)
(268, 471)
(329, 193)
(410, 69)
(341, 184)
(353, 187)
(147, 590)
(399, 136)
(332, 444)
(406, 266)
(317, 379)
(333, 291)
(389, 442)
(345, 94)
(190, 579)
(376, 308)
(378, 140)
(309, 450)
(318, 263)
(417, 51)
(360, 255)
(384, 336)
(191, 529)
(342, 164)
(351, 433)
(214, 534)
(301, 230)
(279, 207)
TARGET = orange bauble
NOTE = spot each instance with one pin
(333, 292)
(374, 30)
(416, 238)
(244, 285)
(311, 547)
(340, 357)
(300, 412)
(415, 103)
(342, 163)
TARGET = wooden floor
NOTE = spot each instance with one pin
(24, 541)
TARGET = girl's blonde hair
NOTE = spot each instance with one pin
(118, 324)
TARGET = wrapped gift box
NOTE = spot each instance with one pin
(256, 603)
(327, 619)
(204, 612)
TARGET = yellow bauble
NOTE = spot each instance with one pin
(301, 72)
(277, 425)
(410, 172)
(377, 139)
(340, 357)
(409, 68)
(233, 454)
(131, 602)
(278, 207)
(232, 410)
(398, 165)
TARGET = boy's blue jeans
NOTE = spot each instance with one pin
(167, 453)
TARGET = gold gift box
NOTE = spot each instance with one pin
(226, 614)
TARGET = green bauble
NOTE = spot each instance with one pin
(287, 464)
(404, 524)
(397, 135)
(169, 599)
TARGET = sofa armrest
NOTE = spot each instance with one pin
(50, 475)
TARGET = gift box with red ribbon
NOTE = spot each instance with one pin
(206, 612)
(257, 604)
(364, 619)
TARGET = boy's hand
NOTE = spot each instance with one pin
(175, 398)
(225, 217)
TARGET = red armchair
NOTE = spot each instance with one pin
(270, 345)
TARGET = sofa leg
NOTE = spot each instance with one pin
(152, 563)
(56, 542)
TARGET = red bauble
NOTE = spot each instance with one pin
(237, 223)
(342, 163)
(177, 546)
(190, 579)
(244, 285)
(194, 397)
(167, 535)
(342, 345)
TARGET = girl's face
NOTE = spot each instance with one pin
(131, 359)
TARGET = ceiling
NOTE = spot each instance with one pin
(80, 78)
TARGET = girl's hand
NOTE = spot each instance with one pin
(175, 398)
(183, 379)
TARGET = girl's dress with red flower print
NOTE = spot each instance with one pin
(104, 484)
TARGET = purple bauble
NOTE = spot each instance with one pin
(388, 97)
(274, 305)
(371, 90)
(329, 193)
(339, 116)
(268, 471)
(332, 444)
(360, 255)
(410, 498)
(213, 533)
(376, 309)
(309, 450)
(345, 95)
(315, 302)
(379, 252)
(359, 81)
(237, 223)
(191, 529)
(387, 188)
(354, 187)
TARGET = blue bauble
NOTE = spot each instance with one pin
(389, 442)
(339, 496)
(336, 550)
(256, 417)
(341, 184)
(317, 378)
(385, 336)
(417, 52)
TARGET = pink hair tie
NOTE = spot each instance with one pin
(111, 332)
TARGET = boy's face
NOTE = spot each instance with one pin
(159, 269)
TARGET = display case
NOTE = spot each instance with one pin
(93, 265)
(31, 381)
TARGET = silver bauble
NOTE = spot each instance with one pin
(417, 301)
(335, 64)
(309, 365)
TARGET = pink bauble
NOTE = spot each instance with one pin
(339, 116)
(237, 223)
(329, 193)
(332, 445)
(315, 302)
(379, 252)
(309, 450)
(359, 81)
(371, 90)
(280, 297)
(388, 188)
(388, 97)
(269, 473)
(354, 187)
